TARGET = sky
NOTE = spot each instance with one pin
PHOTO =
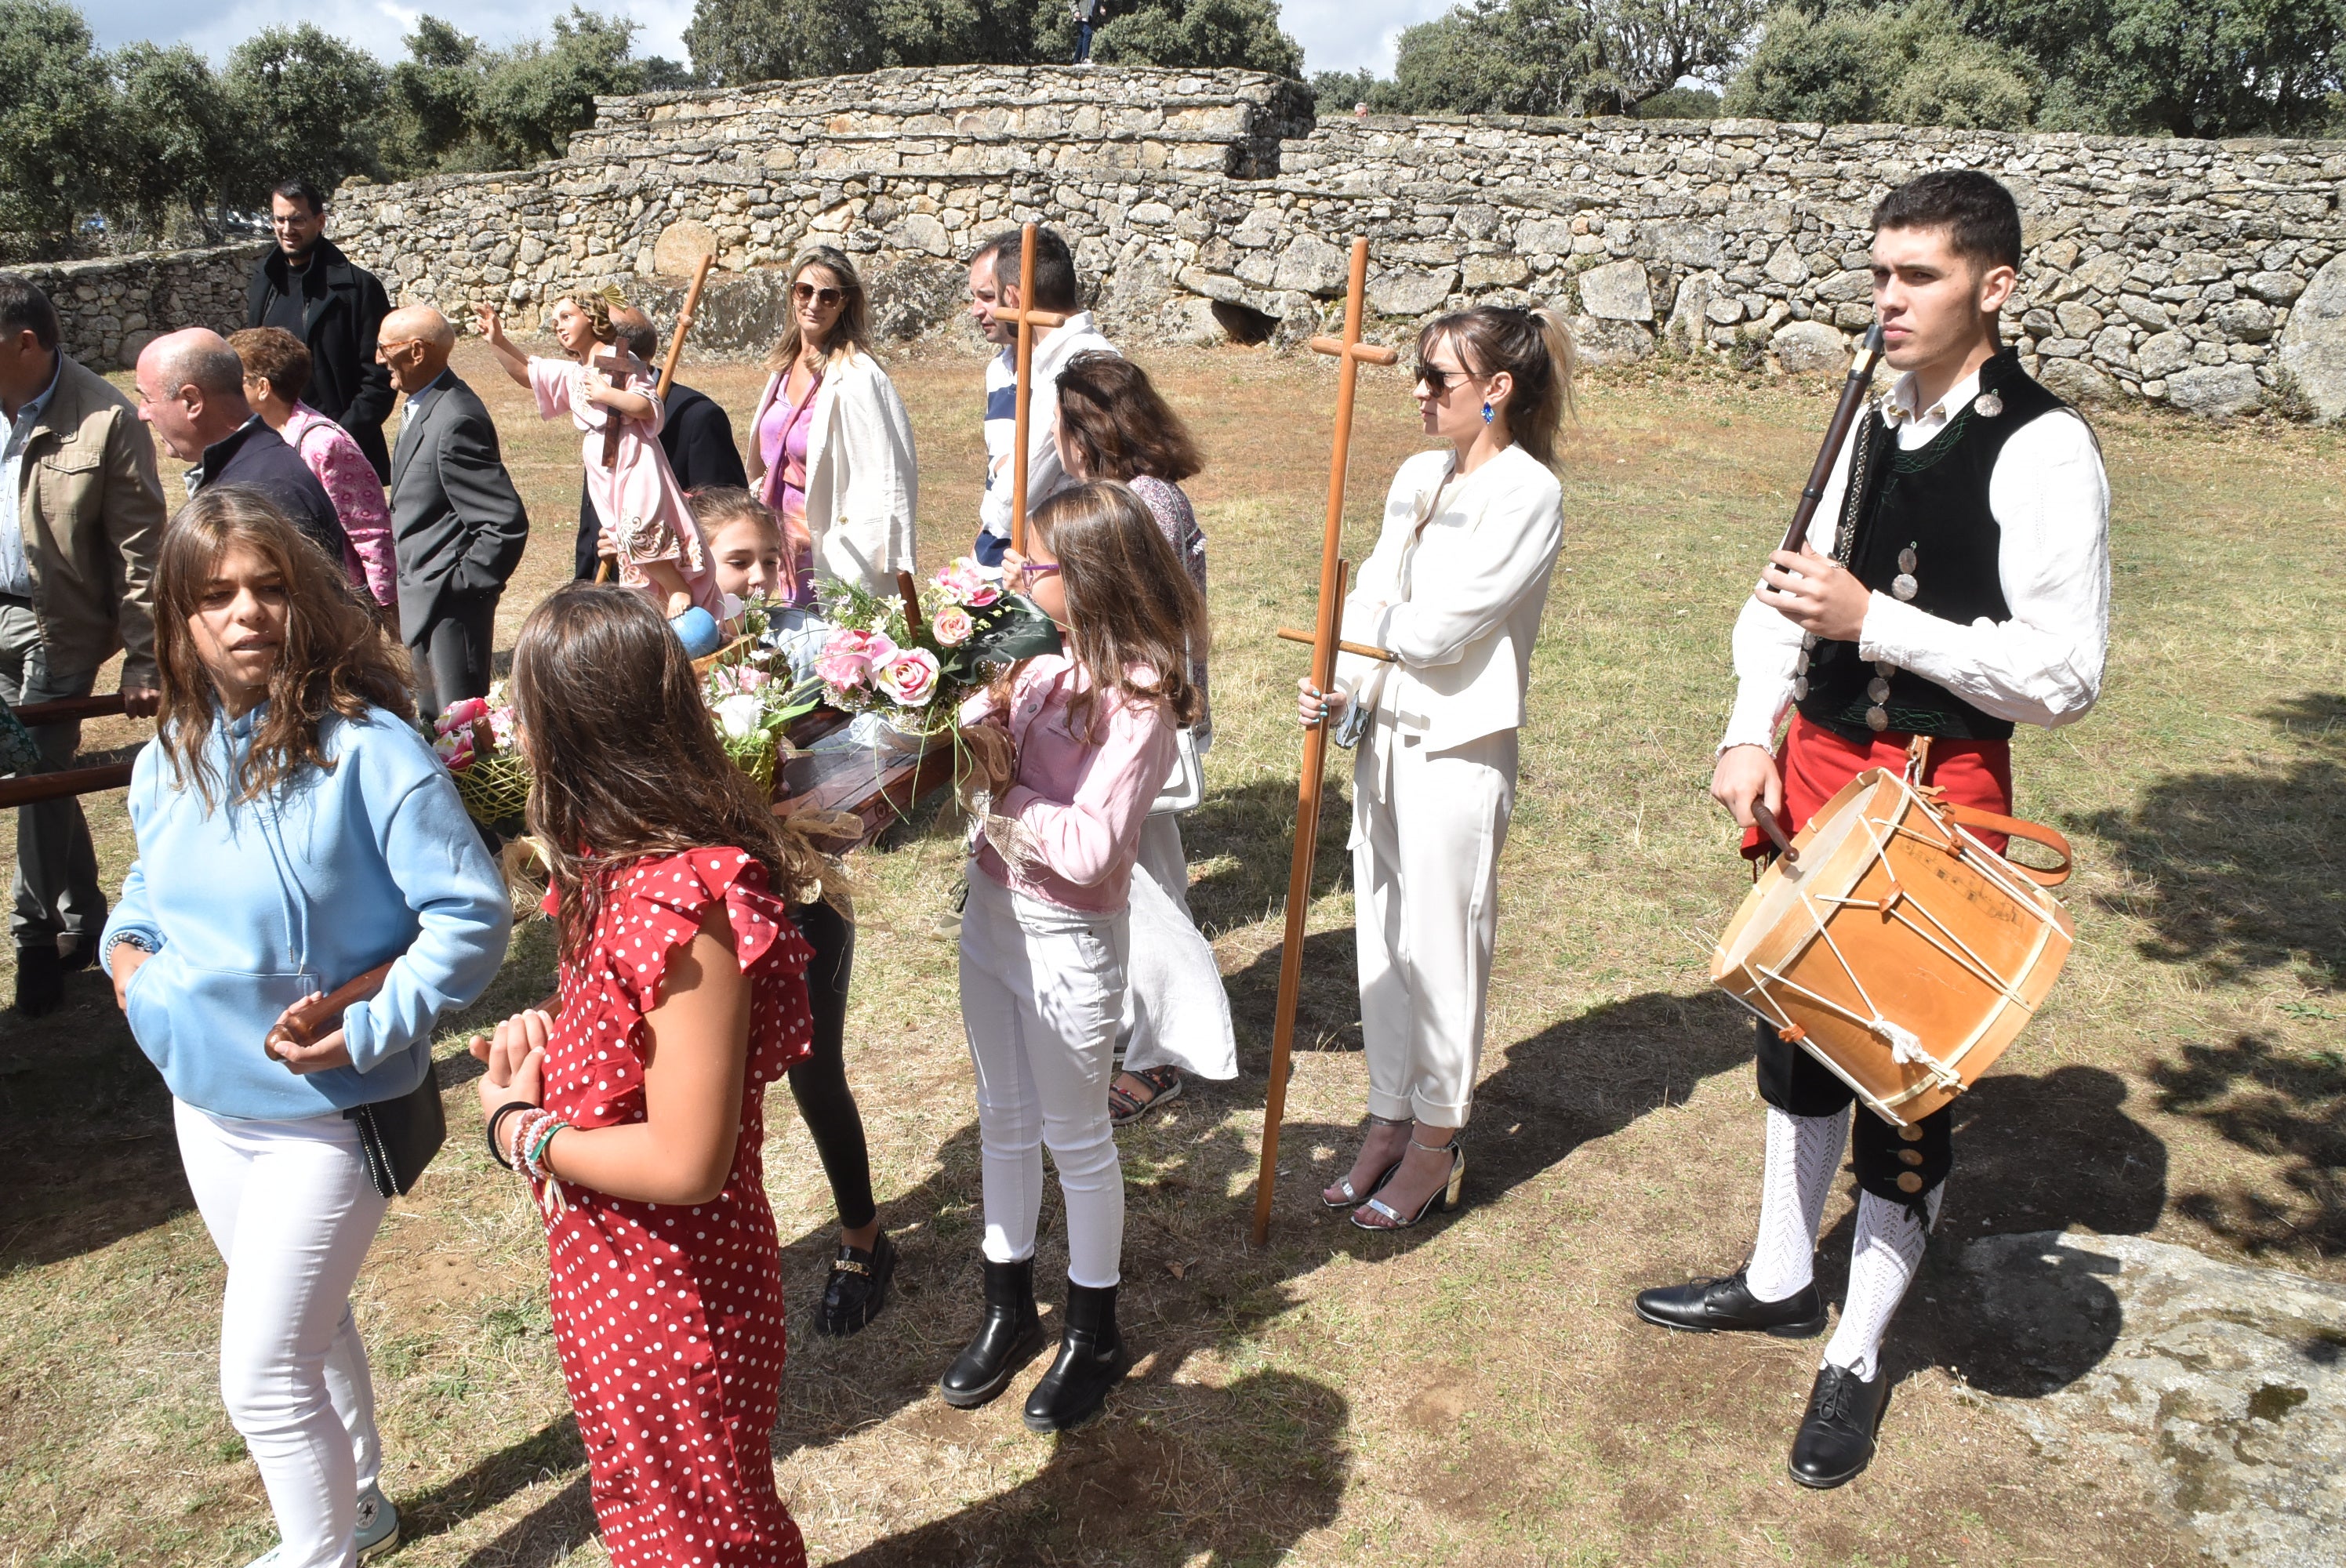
(1336, 35)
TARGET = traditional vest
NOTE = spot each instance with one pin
(1929, 506)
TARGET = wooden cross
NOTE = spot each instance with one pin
(1028, 318)
(605, 567)
(1350, 354)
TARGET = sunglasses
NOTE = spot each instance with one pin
(826, 298)
(1438, 380)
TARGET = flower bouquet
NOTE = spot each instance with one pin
(752, 708)
(909, 662)
(474, 737)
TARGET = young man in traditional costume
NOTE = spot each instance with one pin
(1959, 585)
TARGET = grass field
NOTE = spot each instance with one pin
(1475, 1392)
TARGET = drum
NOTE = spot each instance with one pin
(1895, 947)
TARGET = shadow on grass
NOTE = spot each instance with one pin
(1248, 834)
(2287, 1107)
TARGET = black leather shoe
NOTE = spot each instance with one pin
(81, 955)
(1713, 1306)
(1010, 1337)
(1836, 1439)
(40, 980)
(858, 1286)
(1091, 1360)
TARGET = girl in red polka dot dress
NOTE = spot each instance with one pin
(636, 1112)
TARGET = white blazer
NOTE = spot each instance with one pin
(862, 478)
(1458, 599)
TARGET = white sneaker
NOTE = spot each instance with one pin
(268, 1559)
(378, 1525)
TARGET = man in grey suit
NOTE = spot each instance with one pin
(457, 524)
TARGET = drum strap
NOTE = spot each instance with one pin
(1918, 761)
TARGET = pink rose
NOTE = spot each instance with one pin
(455, 751)
(460, 714)
(968, 583)
(850, 656)
(910, 678)
(951, 628)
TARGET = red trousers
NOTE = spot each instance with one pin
(1816, 762)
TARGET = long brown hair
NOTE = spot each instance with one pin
(1534, 346)
(624, 757)
(336, 659)
(851, 333)
(1117, 421)
(1129, 603)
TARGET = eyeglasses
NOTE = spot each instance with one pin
(1030, 570)
(292, 220)
(826, 298)
(1438, 380)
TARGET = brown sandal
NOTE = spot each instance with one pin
(1123, 1109)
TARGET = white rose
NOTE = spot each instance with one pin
(741, 715)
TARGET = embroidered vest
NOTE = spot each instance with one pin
(1931, 502)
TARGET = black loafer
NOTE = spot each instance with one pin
(40, 980)
(1836, 1439)
(1716, 1306)
(857, 1288)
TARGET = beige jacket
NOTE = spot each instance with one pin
(92, 515)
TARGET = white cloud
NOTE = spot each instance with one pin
(1346, 34)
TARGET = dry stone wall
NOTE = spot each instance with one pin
(1206, 205)
(109, 309)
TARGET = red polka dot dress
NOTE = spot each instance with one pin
(669, 1319)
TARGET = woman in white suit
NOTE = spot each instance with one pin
(1455, 590)
(832, 448)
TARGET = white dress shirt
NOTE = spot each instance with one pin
(1044, 476)
(2042, 665)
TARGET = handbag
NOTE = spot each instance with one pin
(1185, 787)
(398, 1135)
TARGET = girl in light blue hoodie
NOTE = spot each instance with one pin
(294, 832)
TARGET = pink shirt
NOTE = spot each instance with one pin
(783, 437)
(356, 491)
(1084, 800)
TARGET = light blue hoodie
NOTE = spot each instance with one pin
(252, 907)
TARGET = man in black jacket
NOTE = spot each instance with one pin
(191, 390)
(695, 433)
(311, 289)
(458, 527)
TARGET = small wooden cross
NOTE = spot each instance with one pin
(1350, 354)
(1028, 318)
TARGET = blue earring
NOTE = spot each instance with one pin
(1487, 413)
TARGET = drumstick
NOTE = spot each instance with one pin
(1775, 832)
(1366, 650)
(306, 1022)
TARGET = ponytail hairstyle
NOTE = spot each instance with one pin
(1130, 604)
(625, 760)
(1534, 347)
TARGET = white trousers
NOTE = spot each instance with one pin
(290, 1209)
(1176, 1013)
(1427, 829)
(1042, 989)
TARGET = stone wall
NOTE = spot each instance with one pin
(1206, 204)
(108, 310)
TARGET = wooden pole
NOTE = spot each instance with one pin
(35, 787)
(1351, 354)
(1028, 318)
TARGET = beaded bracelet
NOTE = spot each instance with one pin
(538, 1146)
(525, 1128)
(496, 1119)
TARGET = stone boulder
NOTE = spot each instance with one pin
(1410, 291)
(681, 245)
(1310, 266)
(1610, 342)
(1616, 291)
(2216, 390)
(1810, 348)
(2077, 381)
(2222, 1387)
(2313, 344)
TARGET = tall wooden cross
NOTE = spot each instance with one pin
(1350, 354)
(606, 565)
(1028, 318)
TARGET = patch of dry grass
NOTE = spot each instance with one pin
(1472, 1394)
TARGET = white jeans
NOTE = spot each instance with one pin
(290, 1209)
(1041, 991)
(1427, 829)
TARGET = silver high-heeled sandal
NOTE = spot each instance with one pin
(1354, 1199)
(1446, 1194)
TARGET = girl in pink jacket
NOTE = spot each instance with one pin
(1044, 934)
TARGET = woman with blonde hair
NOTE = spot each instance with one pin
(832, 448)
(1455, 589)
(294, 832)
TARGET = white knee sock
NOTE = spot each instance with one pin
(1803, 1153)
(1889, 1249)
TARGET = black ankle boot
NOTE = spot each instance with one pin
(40, 980)
(1006, 1340)
(1091, 1360)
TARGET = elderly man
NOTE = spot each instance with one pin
(696, 435)
(191, 390)
(311, 289)
(81, 516)
(457, 524)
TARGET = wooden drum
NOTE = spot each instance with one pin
(1895, 947)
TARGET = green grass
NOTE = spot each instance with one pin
(1472, 1393)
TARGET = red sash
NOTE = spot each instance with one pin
(1816, 762)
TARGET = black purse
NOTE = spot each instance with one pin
(401, 1136)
